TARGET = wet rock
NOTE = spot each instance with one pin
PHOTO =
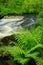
(14, 17)
(6, 40)
(1, 43)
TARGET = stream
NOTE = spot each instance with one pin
(7, 25)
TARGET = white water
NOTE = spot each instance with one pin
(9, 25)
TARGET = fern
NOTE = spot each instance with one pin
(28, 45)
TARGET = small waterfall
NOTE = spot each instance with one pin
(9, 25)
(30, 22)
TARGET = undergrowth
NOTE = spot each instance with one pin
(26, 50)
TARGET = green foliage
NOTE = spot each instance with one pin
(41, 14)
(20, 6)
(28, 45)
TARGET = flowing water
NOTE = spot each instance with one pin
(9, 25)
